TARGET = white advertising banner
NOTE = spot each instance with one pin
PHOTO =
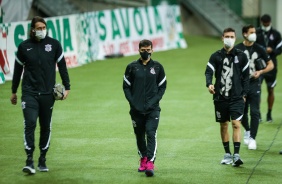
(92, 36)
(14, 10)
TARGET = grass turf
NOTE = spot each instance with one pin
(93, 141)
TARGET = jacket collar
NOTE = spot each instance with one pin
(232, 52)
(149, 62)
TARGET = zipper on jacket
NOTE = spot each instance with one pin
(144, 86)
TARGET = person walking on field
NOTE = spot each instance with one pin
(231, 69)
(260, 63)
(144, 85)
(270, 40)
(37, 58)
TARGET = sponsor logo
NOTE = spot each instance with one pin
(134, 123)
(23, 104)
(236, 60)
(29, 49)
(218, 114)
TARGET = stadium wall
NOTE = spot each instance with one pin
(94, 35)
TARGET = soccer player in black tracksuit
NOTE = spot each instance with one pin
(253, 52)
(270, 40)
(144, 85)
(231, 69)
(37, 58)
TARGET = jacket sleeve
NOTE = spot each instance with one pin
(210, 69)
(18, 70)
(264, 55)
(245, 74)
(278, 49)
(127, 84)
(61, 63)
(161, 82)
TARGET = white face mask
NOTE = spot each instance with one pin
(40, 34)
(229, 42)
(266, 28)
(252, 37)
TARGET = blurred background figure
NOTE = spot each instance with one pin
(255, 54)
(270, 40)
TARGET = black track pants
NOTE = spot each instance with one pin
(252, 101)
(37, 106)
(145, 129)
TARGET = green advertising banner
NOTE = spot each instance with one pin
(92, 36)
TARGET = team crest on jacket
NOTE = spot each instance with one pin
(152, 71)
(271, 37)
(48, 47)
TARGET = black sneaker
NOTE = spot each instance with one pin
(269, 118)
(150, 169)
(42, 165)
(237, 160)
(29, 167)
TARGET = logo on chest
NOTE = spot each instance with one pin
(152, 71)
(48, 48)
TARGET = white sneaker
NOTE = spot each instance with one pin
(247, 137)
(227, 159)
(252, 144)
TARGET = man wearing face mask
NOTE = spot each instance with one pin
(231, 69)
(254, 52)
(144, 84)
(270, 40)
(37, 58)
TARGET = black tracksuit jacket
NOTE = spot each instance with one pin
(39, 60)
(253, 52)
(144, 85)
(240, 78)
(273, 40)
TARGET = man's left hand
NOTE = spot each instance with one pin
(257, 74)
(66, 94)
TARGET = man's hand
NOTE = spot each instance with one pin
(13, 98)
(269, 50)
(66, 94)
(257, 74)
(244, 98)
(211, 89)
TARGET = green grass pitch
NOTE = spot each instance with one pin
(92, 136)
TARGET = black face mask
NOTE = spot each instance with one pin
(145, 55)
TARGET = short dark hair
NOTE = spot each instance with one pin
(229, 29)
(145, 43)
(265, 18)
(32, 25)
(246, 28)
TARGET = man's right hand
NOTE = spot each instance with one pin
(211, 89)
(14, 98)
